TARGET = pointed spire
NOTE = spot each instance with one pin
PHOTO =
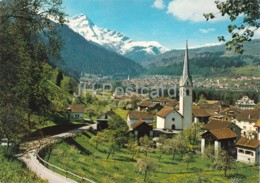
(186, 70)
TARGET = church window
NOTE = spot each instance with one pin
(173, 127)
(187, 92)
(173, 119)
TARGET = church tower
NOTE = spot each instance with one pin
(185, 106)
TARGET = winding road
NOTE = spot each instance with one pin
(31, 161)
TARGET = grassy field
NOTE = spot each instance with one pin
(13, 170)
(121, 112)
(80, 156)
(247, 71)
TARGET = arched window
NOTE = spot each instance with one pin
(173, 127)
(187, 92)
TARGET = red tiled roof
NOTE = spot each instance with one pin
(140, 115)
(78, 108)
(165, 111)
(147, 104)
(197, 111)
(251, 143)
(248, 115)
(216, 124)
(224, 133)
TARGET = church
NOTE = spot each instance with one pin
(170, 118)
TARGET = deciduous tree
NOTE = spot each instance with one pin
(248, 10)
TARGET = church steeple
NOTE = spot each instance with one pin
(185, 105)
(186, 70)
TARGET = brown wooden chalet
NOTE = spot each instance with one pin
(200, 115)
(140, 128)
(220, 124)
(102, 121)
(149, 106)
(223, 138)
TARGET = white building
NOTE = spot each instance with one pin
(245, 103)
(246, 121)
(76, 111)
(248, 150)
(171, 119)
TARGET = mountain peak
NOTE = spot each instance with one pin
(114, 40)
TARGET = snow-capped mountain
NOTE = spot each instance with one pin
(113, 40)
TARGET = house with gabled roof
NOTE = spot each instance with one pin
(246, 121)
(200, 115)
(140, 128)
(76, 111)
(223, 138)
(149, 106)
(102, 121)
(220, 124)
(248, 149)
(134, 116)
(220, 134)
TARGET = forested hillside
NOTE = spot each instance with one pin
(81, 56)
(207, 61)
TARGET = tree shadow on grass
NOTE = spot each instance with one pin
(124, 159)
(82, 149)
(169, 162)
(236, 176)
(87, 135)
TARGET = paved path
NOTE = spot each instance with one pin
(41, 171)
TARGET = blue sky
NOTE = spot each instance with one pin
(170, 22)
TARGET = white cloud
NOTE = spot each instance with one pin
(159, 4)
(205, 31)
(193, 10)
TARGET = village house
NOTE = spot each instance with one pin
(149, 106)
(200, 115)
(134, 116)
(230, 113)
(219, 138)
(220, 134)
(246, 121)
(140, 128)
(248, 149)
(76, 111)
(245, 103)
(102, 121)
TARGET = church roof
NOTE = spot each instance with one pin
(165, 111)
(251, 143)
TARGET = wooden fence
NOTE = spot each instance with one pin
(83, 179)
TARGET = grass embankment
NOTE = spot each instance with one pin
(80, 156)
(13, 170)
(247, 71)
